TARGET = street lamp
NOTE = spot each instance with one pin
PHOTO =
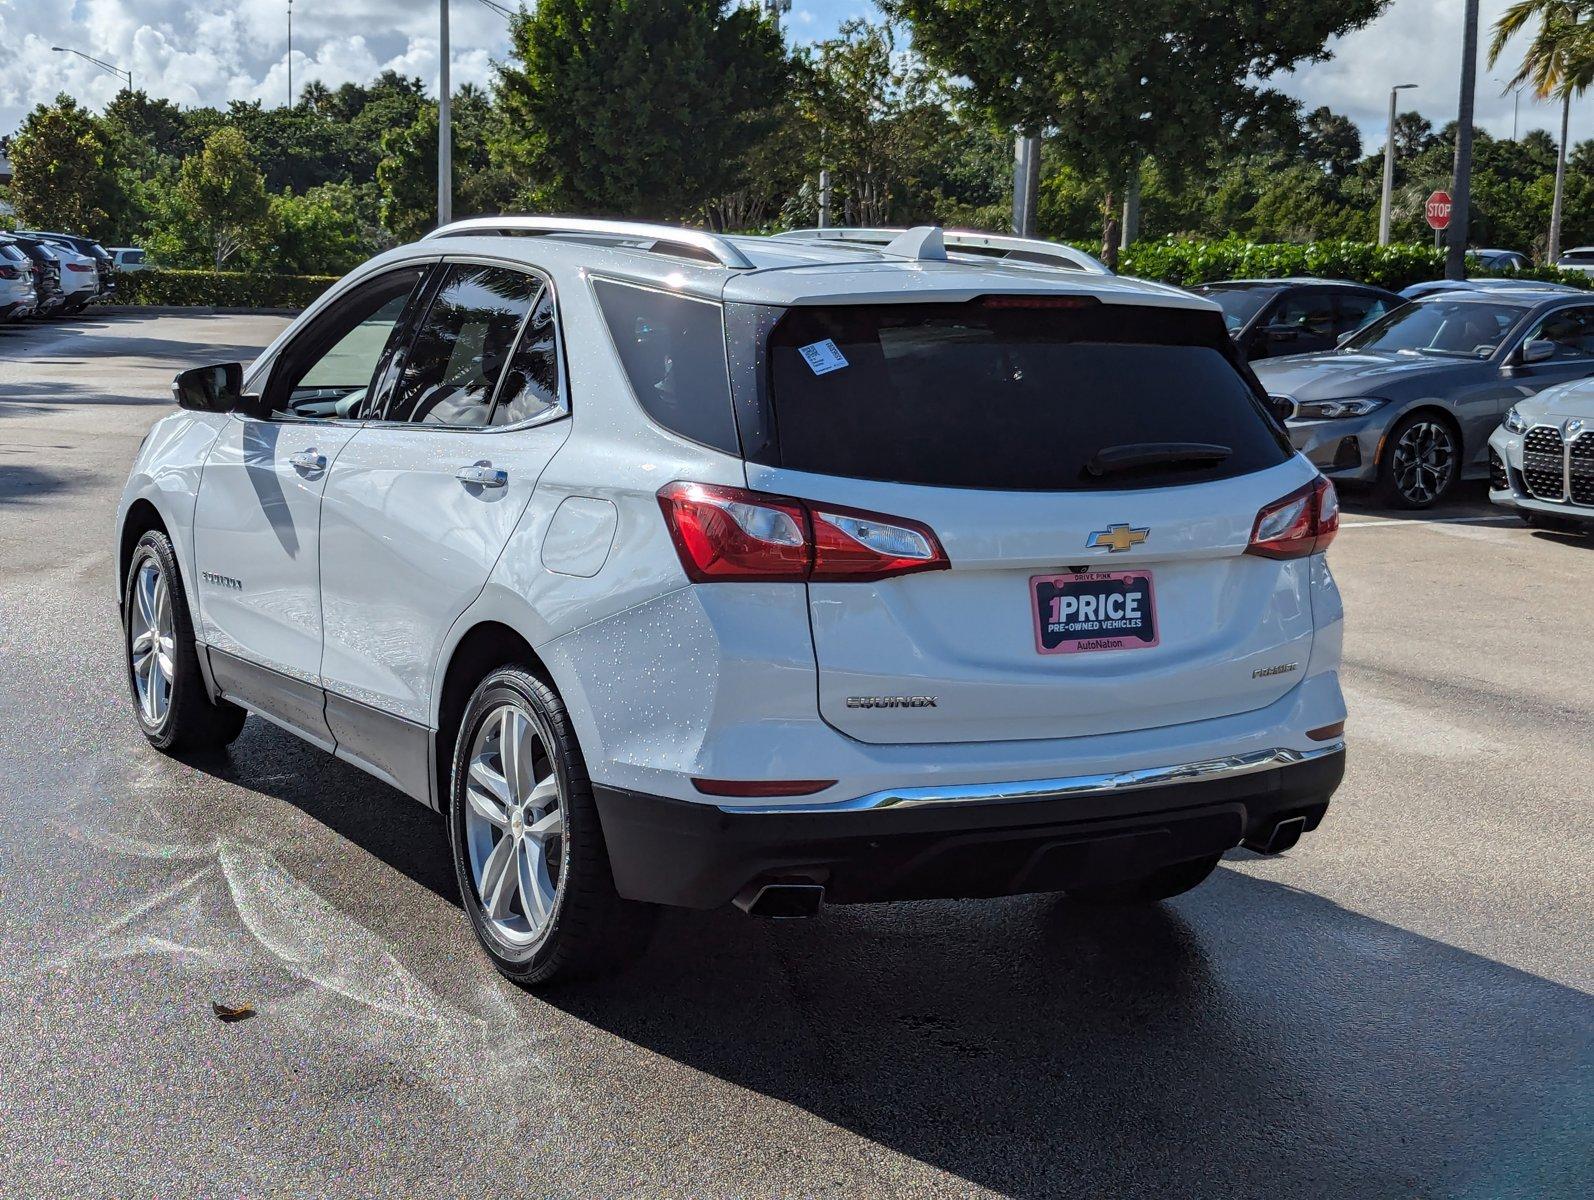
(1389, 166)
(98, 62)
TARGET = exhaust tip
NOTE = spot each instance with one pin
(781, 901)
(1280, 838)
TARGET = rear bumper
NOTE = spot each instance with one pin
(700, 856)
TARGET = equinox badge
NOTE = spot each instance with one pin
(1116, 538)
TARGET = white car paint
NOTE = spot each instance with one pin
(1561, 420)
(362, 576)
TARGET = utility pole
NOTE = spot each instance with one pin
(1387, 202)
(290, 53)
(1026, 182)
(445, 143)
(1131, 223)
(824, 198)
(1553, 250)
(1461, 185)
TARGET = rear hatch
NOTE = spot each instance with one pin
(1093, 473)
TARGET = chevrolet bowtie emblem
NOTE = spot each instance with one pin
(1116, 538)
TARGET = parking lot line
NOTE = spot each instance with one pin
(1378, 521)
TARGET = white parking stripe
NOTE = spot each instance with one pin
(1375, 523)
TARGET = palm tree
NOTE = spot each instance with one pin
(1558, 61)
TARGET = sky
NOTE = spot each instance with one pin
(213, 51)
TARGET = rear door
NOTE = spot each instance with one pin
(421, 502)
(1087, 595)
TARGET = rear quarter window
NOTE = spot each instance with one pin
(673, 350)
(988, 395)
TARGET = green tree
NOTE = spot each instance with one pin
(1118, 83)
(407, 173)
(1413, 135)
(1558, 61)
(219, 205)
(326, 231)
(643, 107)
(64, 170)
(1332, 141)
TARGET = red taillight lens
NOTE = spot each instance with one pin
(10, 272)
(1302, 523)
(727, 533)
(79, 268)
(761, 787)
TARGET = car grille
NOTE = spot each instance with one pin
(1544, 463)
(1498, 479)
(1580, 459)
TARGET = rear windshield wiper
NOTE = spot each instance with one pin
(1110, 460)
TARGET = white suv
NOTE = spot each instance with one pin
(685, 569)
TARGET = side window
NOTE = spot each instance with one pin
(327, 370)
(673, 351)
(1311, 312)
(1358, 308)
(462, 346)
(1572, 331)
(531, 385)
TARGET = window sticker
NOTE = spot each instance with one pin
(822, 357)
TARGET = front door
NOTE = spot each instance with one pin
(257, 519)
(420, 504)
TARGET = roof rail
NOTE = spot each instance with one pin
(1020, 249)
(662, 237)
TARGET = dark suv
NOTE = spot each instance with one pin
(1268, 318)
(46, 272)
(104, 265)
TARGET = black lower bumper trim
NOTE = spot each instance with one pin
(695, 855)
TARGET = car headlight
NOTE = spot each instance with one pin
(1516, 422)
(1327, 410)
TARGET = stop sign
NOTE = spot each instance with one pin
(1438, 210)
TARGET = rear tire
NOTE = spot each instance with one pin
(1420, 464)
(1161, 884)
(528, 848)
(174, 711)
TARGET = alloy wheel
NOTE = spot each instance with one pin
(1424, 462)
(514, 824)
(151, 643)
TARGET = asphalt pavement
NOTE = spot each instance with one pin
(1398, 1007)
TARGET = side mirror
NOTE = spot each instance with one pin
(1537, 351)
(216, 389)
(1346, 336)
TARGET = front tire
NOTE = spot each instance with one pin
(1420, 464)
(1161, 884)
(169, 698)
(528, 847)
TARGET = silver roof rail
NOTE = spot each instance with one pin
(662, 237)
(1019, 249)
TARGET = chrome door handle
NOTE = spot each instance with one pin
(309, 460)
(482, 474)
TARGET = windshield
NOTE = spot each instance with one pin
(1239, 304)
(1578, 256)
(1445, 325)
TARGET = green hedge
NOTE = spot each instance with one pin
(221, 289)
(1187, 263)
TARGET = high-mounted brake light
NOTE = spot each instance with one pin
(732, 534)
(1038, 301)
(1302, 523)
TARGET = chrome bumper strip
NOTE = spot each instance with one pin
(1053, 789)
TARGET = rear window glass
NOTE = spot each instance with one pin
(981, 395)
(673, 351)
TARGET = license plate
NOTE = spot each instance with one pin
(1094, 610)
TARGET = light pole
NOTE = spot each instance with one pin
(290, 53)
(98, 62)
(445, 141)
(1389, 167)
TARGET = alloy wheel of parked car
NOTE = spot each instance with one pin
(152, 642)
(1422, 462)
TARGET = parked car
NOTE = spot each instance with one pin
(1541, 459)
(47, 281)
(1272, 317)
(128, 258)
(812, 587)
(98, 256)
(1409, 402)
(18, 296)
(1579, 258)
(1434, 287)
(1500, 260)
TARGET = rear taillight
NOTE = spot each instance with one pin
(10, 272)
(1302, 523)
(80, 268)
(732, 534)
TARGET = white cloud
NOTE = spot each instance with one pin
(212, 51)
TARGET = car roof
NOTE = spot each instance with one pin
(783, 271)
(1290, 281)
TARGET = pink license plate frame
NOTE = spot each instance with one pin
(1093, 640)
